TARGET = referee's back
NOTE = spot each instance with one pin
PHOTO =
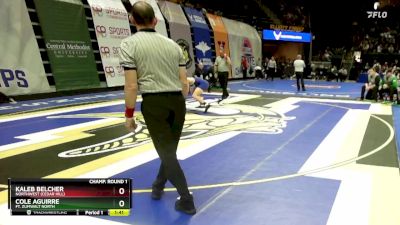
(156, 60)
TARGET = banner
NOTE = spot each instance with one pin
(286, 27)
(160, 27)
(202, 38)
(68, 44)
(220, 34)
(111, 25)
(282, 35)
(21, 66)
(179, 30)
(245, 44)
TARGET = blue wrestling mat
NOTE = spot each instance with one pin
(343, 90)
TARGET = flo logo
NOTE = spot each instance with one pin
(185, 49)
(101, 31)
(377, 14)
(97, 10)
(230, 118)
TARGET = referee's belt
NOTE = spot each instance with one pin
(162, 93)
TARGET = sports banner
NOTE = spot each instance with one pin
(21, 66)
(244, 44)
(220, 34)
(202, 38)
(68, 44)
(160, 27)
(179, 30)
(112, 25)
(283, 35)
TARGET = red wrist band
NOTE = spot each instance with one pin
(129, 112)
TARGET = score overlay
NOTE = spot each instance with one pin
(91, 197)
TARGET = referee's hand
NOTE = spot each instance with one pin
(130, 124)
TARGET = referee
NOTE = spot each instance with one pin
(221, 66)
(299, 66)
(155, 66)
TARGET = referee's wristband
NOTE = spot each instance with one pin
(129, 112)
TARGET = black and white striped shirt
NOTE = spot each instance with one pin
(156, 60)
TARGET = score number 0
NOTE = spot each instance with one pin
(121, 191)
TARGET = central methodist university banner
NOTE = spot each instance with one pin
(68, 44)
(202, 38)
(179, 30)
(244, 43)
(21, 66)
(220, 34)
(111, 25)
(160, 27)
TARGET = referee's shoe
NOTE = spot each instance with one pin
(185, 205)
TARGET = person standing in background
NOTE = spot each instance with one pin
(156, 66)
(342, 74)
(265, 66)
(244, 66)
(299, 66)
(222, 67)
(272, 68)
(372, 87)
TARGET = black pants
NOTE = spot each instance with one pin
(223, 81)
(271, 73)
(244, 71)
(4, 98)
(259, 74)
(164, 114)
(372, 94)
(299, 78)
(390, 91)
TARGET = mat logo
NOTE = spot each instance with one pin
(9, 77)
(231, 118)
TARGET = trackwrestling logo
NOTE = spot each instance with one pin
(239, 118)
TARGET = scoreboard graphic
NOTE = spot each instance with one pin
(89, 197)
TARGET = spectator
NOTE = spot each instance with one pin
(272, 68)
(342, 74)
(372, 86)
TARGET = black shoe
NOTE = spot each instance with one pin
(156, 193)
(185, 205)
(207, 107)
